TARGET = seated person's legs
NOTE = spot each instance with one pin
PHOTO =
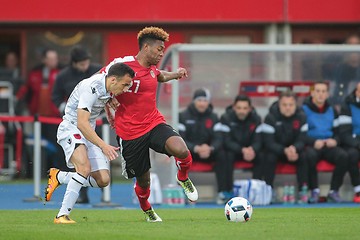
(312, 156)
(339, 158)
(269, 167)
(258, 168)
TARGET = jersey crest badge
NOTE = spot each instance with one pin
(152, 73)
(77, 136)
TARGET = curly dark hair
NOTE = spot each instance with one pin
(151, 34)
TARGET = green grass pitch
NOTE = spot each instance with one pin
(197, 223)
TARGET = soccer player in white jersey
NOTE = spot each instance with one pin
(84, 149)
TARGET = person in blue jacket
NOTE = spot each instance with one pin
(323, 141)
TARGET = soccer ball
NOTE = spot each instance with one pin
(238, 209)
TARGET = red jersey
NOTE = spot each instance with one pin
(137, 113)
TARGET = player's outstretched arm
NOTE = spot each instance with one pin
(165, 76)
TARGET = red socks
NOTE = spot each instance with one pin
(143, 196)
(183, 166)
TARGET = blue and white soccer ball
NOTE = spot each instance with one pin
(238, 209)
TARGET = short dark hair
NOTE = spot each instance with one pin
(79, 53)
(120, 70)
(321, 82)
(151, 34)
(45, 51)
(287, 93)
(242, 98)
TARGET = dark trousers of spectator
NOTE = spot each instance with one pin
(336, 156)
(224, 170)
(353, 157)
(269, 168)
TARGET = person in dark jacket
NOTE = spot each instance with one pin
(240, 125)
(200, 128)
(349, 129)
(80, 68)
(284, 134)
(323, 140)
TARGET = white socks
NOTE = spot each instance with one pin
(65, 177)
(71, 194)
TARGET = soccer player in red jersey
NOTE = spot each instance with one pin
(139, 125)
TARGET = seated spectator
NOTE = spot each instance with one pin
(284, 132)
(349, 129)
(322, 141)
(242, 141)
(197, 127)
(200, 128)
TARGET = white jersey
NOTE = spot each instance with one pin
(91, 94)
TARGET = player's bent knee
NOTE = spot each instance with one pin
(103, 180)
(102, 183)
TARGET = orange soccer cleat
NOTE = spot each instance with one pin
(64, 219)
(53, 183)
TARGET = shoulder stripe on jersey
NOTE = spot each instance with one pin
(225, 128)
(259, 129)
(266, 128)
(217, 127)
(181, 127)
(304, 128)
(344, 119)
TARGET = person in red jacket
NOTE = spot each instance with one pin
(37, 93)
(39, 85)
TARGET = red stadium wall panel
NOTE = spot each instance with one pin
(138, 11)
(121, 44)
(323, 11)
(179, 11)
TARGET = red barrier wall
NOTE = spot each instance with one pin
(179, 11)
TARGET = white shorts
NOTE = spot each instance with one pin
(68, 135)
